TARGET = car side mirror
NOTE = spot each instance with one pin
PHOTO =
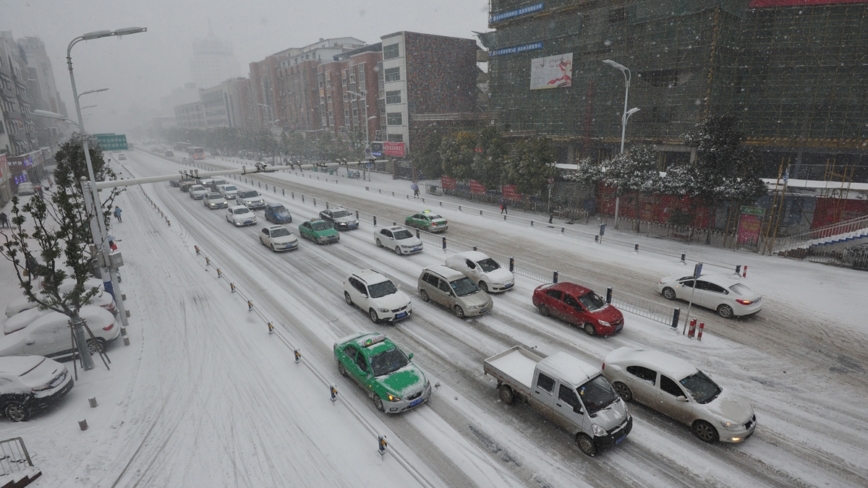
(578, 410)
(410, 356)
(681, 398)
(30, 342)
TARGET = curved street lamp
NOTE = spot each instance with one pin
(98, 231)
(626, 115)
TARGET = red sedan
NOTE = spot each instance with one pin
(579, 306)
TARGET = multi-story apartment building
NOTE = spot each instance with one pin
(42, 90)
(14, 98)
(191, 116)
(427, 80)
(349, 92)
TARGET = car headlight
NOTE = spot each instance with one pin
(731, 425)
(599, 431)
(604, 323)
(384, 310)
(393, 398)
(472, 307)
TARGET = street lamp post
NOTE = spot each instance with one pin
(367, 119)
(98, 231)
(626, 115)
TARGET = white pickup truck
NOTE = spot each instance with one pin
(568, 391)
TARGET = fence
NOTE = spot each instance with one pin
(14, 457)
(805, 239)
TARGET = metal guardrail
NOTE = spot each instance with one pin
(804, 239)
(14, 457)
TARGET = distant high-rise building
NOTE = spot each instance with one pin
(42, 89)
(213, 62)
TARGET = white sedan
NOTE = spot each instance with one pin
(726, 295)
(483, 270)
(678, 389)
(49, 334)
(398, 238)
(197, 192)
(240, 216)
(278, 238)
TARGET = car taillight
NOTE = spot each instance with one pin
(109, 327)
(743, 301)
(603, 367)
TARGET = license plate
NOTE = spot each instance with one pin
(416, 402)
(417, 249)
(401, 315)
(508, 285)
(483, 311)
(620, 440)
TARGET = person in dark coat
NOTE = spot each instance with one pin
(4, 219)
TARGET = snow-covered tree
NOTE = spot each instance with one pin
(530, 165)
(457, 154)
(488, 162)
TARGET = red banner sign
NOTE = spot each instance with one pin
(476, 187)
(797, 3)
(510, 194)
(393, 149)
(448, 183)
(749, 229)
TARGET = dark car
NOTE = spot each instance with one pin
(579, 306)
(29, 384)
(277, 213)
(340, 218)
(169, 154)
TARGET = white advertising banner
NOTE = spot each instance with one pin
(551, 72)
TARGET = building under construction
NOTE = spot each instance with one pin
(791, 71)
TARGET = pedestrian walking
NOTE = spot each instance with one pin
(118, 213)
(4, 219)
(551, 215)
(503, 209)
(415, 188)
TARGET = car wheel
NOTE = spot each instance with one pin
(95, 347)
(397, 250)
(589, 329)
(624, 391)
(379, 244)
(341, 369)
(378, 402)
(725, 311)
(669, 293)
(373, 314)
(459, 312)
(17, 412)
(483, 286)
(506, 394)
(705, 431)
(347, 298)
(424, 295)
(586, 444)
(543, 310)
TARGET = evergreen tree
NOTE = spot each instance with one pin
(457, 154)
(530, 165)
(428, 159)
(488, 164)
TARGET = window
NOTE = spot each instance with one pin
(394, 118)
(545, 383)
(568, 396)
(717, 289)
(701, 285)
(618, 15)
(395, 138)
(642, 373)
(391, 51)
(571, 302)
(443, 286)
(393, 74)
(393, 96)
(670, 387)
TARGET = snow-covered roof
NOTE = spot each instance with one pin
(568, 368)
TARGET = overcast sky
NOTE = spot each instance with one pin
(141, 68)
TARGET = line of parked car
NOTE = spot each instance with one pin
(34, 340)
(588, 401)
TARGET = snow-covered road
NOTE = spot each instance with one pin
(205, 397)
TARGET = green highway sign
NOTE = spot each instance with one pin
(112, 142)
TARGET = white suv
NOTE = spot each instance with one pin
(377, 295)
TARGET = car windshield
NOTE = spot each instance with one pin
(403, 234)
(592, 301)
(463, 287)
(230, 188)
(340, 214)
(488, 265)
(388, 362)
(321, 225)
(433, 217)
(701, 388)
(247, 194)
(197, 188)
(597, 394)
(240, 211)
(741, 290)
(214, 195)
(281, 232)
(378, 290)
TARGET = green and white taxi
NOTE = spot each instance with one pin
(318, 231)
(387, 374)
(427, 220)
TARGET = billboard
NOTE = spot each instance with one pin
(551, 72)
(393, 149)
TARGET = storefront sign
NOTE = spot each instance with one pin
(393, 149)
